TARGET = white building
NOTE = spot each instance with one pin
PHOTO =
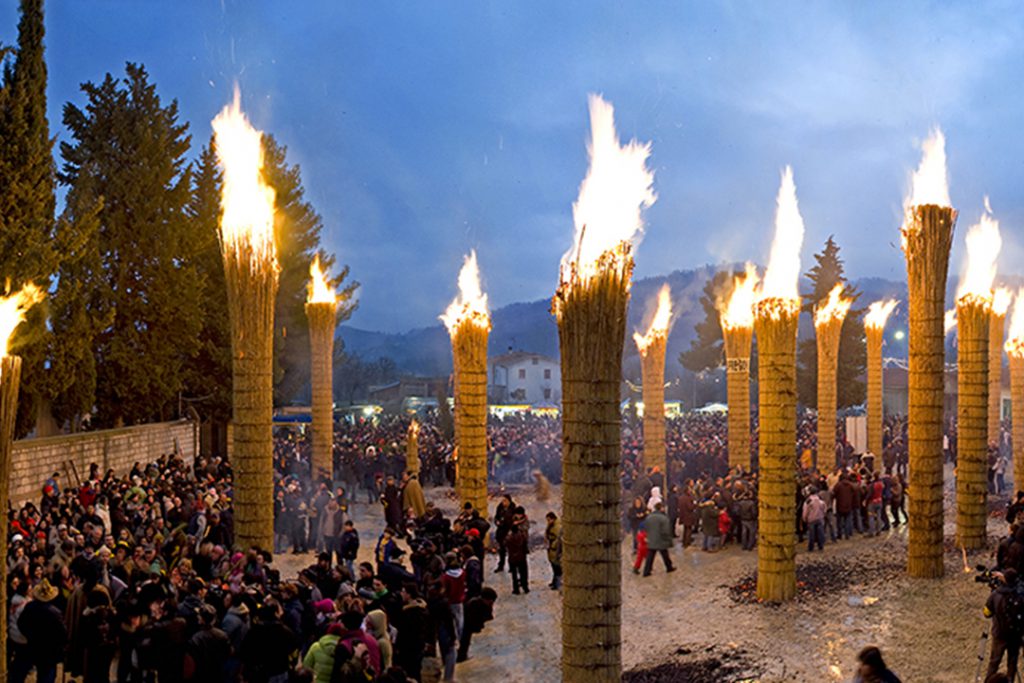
(520, 377)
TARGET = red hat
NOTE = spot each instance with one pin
(41, 534)
(475, 533)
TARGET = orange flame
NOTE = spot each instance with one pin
(783, 273)
(1001, 299)
(1015, 343)
(471, 303)
(929, 183)
(319, 290)
(661, 322)
(247, 202)
(738, 311)
(834, 307)
(878, 313)
(13, 308)
(607, 212)
(983, 245)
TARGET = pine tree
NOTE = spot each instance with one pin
(297, 227)
(828, 271)
(27, 202)
(130, 149)
(707, 351)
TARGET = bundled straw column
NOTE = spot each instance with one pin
(412, 449)
(874, 329)
(322, 315)
(251, 272)
(10, 381)
(972, 315)
(776, 329)
(997, 321)
(736, 315)
(1015, 351)
(828, 327)
(652, 363)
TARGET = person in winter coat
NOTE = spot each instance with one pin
(518, 544)
(814, 517)
(844, 495)
(207, 652)
(641, 548)
(43, 627)
(686, 511)
(348, 547)
(637, 513)
(474, 571)
(655, 498)
(319, 658)
(377, 626)
(553, 541)
(709, 525)
(412, 495)
(502, 527)
(98, 629)
(413, 627)
(746, 510)
(479, 611)
(659, 539)
(453, 584)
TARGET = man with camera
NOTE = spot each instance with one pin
(1004, 608)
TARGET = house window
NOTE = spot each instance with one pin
(547, 375)
(535, 361)
(522, 373)
(547, 393)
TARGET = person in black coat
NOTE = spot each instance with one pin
(43, 626)
(478, 611)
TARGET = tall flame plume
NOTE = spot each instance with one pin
(471, 303)
(983, 244)
(13, 309)
(782, 277)
(617, 188)
(1015, 338)
(319, 290)
(738, 311)
(930, 184)
(1002, 297)
(660, 323)
(879, 312)
(834, 307)
(247, 221)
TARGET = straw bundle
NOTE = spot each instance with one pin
(828, 334)
(252, 288)
(972, 316)
(1017, 418)
(322, 317)
(412, 448)
(10, 381)
(776, 328)
(591, 316)
(876, 419)
(997, 319)
(737, 361)
(469, 349)
(652, 357)
(927, 238)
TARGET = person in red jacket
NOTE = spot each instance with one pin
(641, 548)
(453, 581)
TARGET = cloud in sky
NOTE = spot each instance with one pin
(427, 129)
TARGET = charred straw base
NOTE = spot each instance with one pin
(928, 236)
(469, 347)
(322, 318)
(738, 341)
(252, 288)
(876, 417)
(776, 329)
(1017, 406)
(828, 335)
(972, 324)
(653, 373)
(10, 381)
(591, 318)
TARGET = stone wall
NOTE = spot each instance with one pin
(37, 459)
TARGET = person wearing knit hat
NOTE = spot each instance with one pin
(43, 627)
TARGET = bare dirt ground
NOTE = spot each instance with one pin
(699, 624)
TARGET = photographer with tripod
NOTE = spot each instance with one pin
(1005, 607)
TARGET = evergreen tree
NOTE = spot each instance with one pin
(27, 202)
(824, 275)
(297, 227)
(129, 148)
(707, 350)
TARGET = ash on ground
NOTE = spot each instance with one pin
(712, 664)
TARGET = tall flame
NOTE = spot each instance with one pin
(834, 307)
(738, 311)
(1015, 338)
(929, 183)
(247, 218)
(782, 277)
(607, 212)
(878, 313)
(949, 321)
(471, 302)
(661, 321)
(1001, 299)
(319, 290)
(983, 245)
(13, 309)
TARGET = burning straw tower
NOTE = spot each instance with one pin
(12, 313)
(828, 327)
(927, 235)
(973, 314)
(322, 314)
(412, 449)
(652, 358)
(776, 315)
(737, 319)
(1015, 352)
(590, 308)
(874, 329)
(1001, 298)
(251, 272)
(469, 324)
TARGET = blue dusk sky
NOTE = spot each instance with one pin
(424, 129)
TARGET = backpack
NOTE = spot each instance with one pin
(1014, 609)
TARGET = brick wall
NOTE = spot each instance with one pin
(37, 459)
